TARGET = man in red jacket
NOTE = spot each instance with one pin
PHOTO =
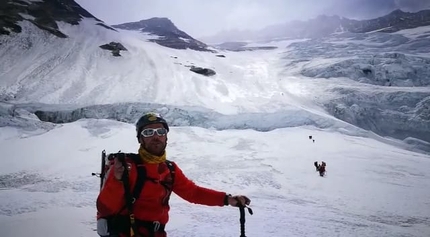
(150, 208)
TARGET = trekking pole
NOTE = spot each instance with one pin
(102, 173)
(242, 218)
(103, 168)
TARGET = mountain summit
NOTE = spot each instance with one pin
(168, 34)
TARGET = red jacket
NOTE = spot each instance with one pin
(149, 206)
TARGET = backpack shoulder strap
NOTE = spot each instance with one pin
(141, 175)
(130, 197)
(171, 167)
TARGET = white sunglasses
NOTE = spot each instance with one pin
(149, 132)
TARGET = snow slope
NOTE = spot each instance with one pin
(371, 189)
(360, 72)
(144, 73)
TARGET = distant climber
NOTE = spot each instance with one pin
(320, 168)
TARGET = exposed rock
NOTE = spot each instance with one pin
(105, 26)
(168, 34)
(232, 45)
(115, 47)
(258, 48)
(220, 55)
(241, 46)
(44, 14)
(203, 71)
(367, 71)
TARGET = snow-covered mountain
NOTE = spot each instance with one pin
(166, 33)
(364, 79)
(324, 25)
(250, 118)
(43, 14)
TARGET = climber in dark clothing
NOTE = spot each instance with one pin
(320, 168)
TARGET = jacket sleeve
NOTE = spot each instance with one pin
(188, 190)
(111, 198)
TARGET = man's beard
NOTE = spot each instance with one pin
(155, 148)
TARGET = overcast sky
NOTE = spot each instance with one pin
(208, 17)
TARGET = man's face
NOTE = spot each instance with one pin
(155, 144)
